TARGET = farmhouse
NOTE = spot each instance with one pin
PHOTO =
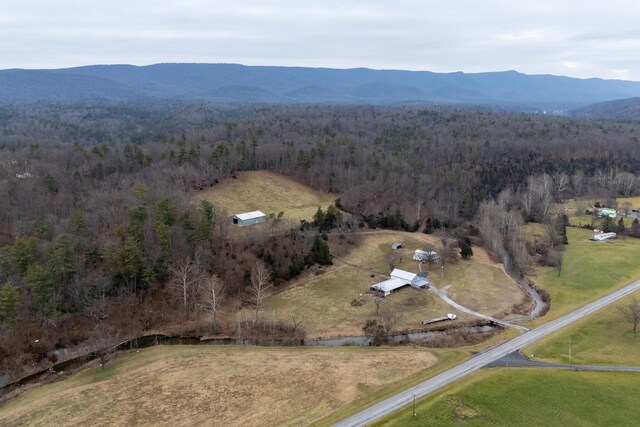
(610, 212)
(603, 236)
(424, 256)
(249, 218)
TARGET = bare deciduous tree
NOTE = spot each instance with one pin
(260, 284)
(631, 313)
(214, 296)
(393, 258)
(186, 284)
(377, 305)
(389, 320)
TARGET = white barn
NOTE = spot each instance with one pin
(385, 288)
(400, 279)
(405, 276)
(249, 218)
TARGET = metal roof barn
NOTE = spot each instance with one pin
(405, 276)
(249, 218)
(388, 286)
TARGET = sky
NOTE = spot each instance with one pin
(564, 37)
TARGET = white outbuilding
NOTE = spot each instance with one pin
(249, 218)
(385, 288)
(400, 279)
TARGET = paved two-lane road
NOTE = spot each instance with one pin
(404, 398)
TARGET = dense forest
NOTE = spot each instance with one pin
(100, 235)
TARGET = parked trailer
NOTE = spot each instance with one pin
(603, 236)
(449, 316)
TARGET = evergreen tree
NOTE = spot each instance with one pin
(9, 304)
(465, 250)
(320, 252)
(205, 228)
(24, 253)
(43, 288)
(165, 212)
(319, 218)
(78, 222)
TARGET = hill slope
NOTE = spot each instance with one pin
(625, 109)
(232, 82)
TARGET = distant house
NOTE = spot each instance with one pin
(249, 218)
(610, 212)
(424, 256)
(603, 236)
(25, 175)
(396, 246)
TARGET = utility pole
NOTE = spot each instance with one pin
(414, 405)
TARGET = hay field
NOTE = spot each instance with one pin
(268, 192)
(217, 386)
(529, 397)
(590, 270)
(602, 338)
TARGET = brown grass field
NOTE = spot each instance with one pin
(268, 192)
(324, 302)
(220, 386)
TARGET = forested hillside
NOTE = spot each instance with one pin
(100, 235)
(623, 109)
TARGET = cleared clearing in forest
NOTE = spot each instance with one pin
(268, 192)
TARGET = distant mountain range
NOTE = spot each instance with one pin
(239, 83)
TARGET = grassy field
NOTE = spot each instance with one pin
(590, 270)
(600, 339)
(268, 192)
(209, 385)
(326, 300)
(530, 397)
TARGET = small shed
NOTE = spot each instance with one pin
(396, 246)
(249, 218)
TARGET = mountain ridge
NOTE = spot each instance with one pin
(278, 84)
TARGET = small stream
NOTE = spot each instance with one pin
(412, 337)
(423, 338)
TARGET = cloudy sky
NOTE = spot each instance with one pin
(580, 38)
